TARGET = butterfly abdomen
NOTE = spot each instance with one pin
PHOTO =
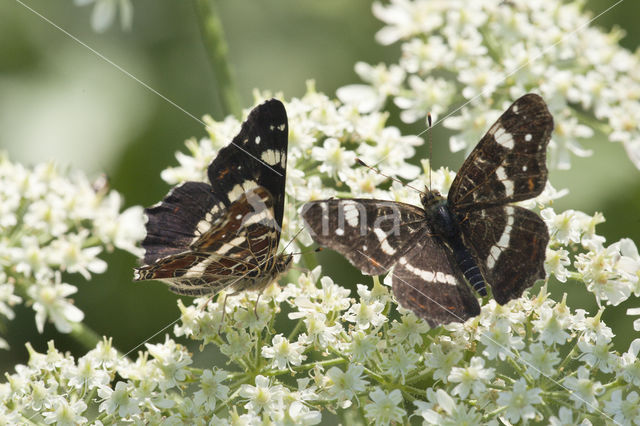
(470, 269)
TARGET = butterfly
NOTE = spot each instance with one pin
(472, 238)
(203, 238)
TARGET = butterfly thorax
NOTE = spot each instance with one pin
(439, 217)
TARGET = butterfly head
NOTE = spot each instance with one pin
(429, 198)
(282, 264)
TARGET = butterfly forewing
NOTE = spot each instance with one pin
(370, 233)
(257, 156)
(509, 162)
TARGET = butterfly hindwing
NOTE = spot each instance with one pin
(238, 245)
(509, 162)
(371, 234)
(425, 281)
(173, 224)
(510, 248)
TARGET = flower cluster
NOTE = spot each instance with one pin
(531, 359)
(53, 222)
(359, 354)
(474, 58)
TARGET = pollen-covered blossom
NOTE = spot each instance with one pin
(284, 353)
(597, 82)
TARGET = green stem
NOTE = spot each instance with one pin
(216, 46)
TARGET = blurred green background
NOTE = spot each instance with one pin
(59, 100)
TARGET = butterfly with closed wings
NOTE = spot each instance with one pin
(474, 237)
(203, 238)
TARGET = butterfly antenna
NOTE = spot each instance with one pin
(377, 170)
(429, 128)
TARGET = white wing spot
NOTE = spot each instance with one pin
(528, 137)
(503, 138)
(240, 189)
(524, 168)
(504, 240)
(515, 109)
(228, 246)
(203, 226)
(271, 157)
(339, 231)
(282, 127)
(429, 276)
(238, 216)
(257, 140)
(351, 213)
(384, 244)
(508, 185)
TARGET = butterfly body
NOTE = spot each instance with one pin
(206, 237)
(472, 238)
(444, 225)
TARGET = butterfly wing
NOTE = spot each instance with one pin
(237, 248)
(371, 234)
(257, 156)
(176, 222)
(509, 162)
(510, 248)
(425, 281)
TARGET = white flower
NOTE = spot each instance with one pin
(441, 358)
(87, 375)
(520, 401)
(66, 413)
(597, 354)
(172, 360)
(50, 302)
(284, 353)
(399, 362)
(104, 13)
(333, 157)
(211, 388)
(499, 342)
(624, 411)
(366, 315)
(383, 408)
(118, 400)
(471, 379)
(556, 262)
(540, 360)
(585, 389)
(261, 397)
(344, 385)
